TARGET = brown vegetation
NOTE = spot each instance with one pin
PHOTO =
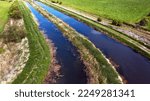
(14, 11)
(15, 56)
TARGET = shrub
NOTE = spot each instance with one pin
(57, 1)
(148, 14)
(14, 34)
(99, 19)
(14, 11)
(60, 2)
(53, 1)
(116, 23)
(143, 22)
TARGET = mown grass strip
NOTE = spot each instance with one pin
(39, 59)
(103, 70)
(137, 46)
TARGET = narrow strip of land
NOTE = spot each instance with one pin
(38, 64)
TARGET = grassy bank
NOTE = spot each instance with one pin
(39, 59)
(122, 10)
(4, 8)
(109, 31)
(97, 65)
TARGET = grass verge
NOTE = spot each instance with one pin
(39, 60)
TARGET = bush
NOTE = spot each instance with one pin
(143, 22)
(60, 2)
(99, 19)
(53, 1)
(14, 34)
(116, 23)
(148, 14)
(57, 1)
(14, 11)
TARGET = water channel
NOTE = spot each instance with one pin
(72, 68)
(133, 66)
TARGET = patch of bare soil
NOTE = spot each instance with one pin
(15, 56)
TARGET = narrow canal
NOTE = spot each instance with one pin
(72, 68)
(133, 66)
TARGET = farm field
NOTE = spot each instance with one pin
(123, 10)
(4, 8)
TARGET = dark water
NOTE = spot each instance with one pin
(133, 66)
(68, 57)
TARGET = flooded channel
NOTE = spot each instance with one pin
(72, 68)
(133, 66)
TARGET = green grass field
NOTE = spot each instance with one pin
(4, 8)
(123, 10)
